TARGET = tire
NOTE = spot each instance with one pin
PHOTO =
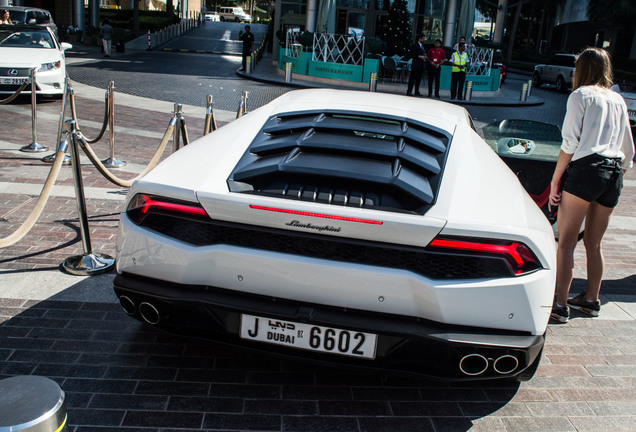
(237, 20)
(536, 80)
(222, 19)
(560, 84)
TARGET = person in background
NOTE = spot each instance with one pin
(436, 56)
(468, 47)
(5, 17)
(459, 60)
(106, 33)
(248, 44)
(418, 56)
(597, 149)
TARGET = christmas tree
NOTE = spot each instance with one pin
(397, 31)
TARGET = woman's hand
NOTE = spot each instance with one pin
(555, 196)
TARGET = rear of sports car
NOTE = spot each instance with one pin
(370, 230)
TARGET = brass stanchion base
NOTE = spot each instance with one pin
(113, 163)
(88, 264)
(34, 148)
(51, 158)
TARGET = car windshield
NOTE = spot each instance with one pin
(524, 139)
(26, 39)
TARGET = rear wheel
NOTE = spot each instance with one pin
(222, 18)
(237, 20)
(560, 84)
(536, 80)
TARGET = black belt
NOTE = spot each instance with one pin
(598, 161)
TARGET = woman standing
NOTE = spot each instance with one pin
(597, 149)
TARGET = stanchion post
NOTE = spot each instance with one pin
(524, 92)
(529, 92)
(373, 82)
(177, 127)
(288, 71)
(469, 91)
(210, 121)
(112, 162)
(34, 147)
(149, 46)
(248, 64)
(244, 97)
(68, 89)
(88, 263)
(241, 108)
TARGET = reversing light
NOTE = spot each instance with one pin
(521, 259)
(141, 205)
(320, 215)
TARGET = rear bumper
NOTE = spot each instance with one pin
(404, 344)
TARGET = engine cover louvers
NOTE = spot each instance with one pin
(345, 158)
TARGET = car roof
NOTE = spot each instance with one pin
(24, 8)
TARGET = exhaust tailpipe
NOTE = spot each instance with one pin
(149, 313)
(127, 304)
(505, 364)
(473, 364)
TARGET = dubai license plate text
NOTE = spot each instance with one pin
(13, 80)
(309, 337)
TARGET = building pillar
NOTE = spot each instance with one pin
(79, 19)
(451, 23)
(93, 13)
(310, 23)
(501, 21)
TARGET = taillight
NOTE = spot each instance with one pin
(519, 256)
(142, 205)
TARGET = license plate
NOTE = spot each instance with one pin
(309, 337)
(13, 80)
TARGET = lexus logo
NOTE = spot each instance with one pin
(12, 72)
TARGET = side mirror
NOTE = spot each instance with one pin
(66, 46)
(32, 21)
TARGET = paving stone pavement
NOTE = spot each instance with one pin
(120, 375)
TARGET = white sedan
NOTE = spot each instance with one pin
(212, 16)
(365, 229)
(25, 47)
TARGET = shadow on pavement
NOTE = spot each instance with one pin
(118, 374)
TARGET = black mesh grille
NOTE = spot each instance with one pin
(430, 263)
(345, 158)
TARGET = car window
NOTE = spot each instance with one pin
(524, 139)
(26, 39)
(17, 17)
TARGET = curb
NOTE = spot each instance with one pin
(303, 84)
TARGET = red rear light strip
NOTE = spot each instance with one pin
(509, 250)
(320, 215)
(151, 204)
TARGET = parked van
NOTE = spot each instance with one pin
(235, 14)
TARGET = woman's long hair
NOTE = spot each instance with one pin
(593, 67)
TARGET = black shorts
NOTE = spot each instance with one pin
(595, 178)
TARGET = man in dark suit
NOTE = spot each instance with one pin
(418, 56)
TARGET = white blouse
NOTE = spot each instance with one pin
(596, 121)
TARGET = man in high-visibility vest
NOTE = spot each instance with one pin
(459, 61)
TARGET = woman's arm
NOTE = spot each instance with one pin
(555, 194)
